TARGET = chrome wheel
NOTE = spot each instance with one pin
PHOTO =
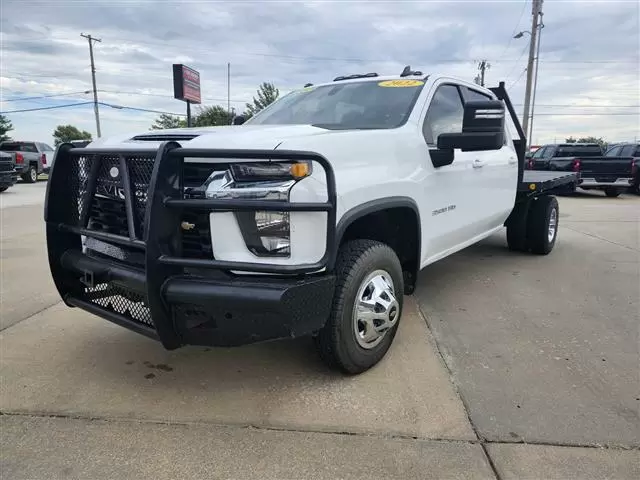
(376, 309)
(33, 174)
(553, 222)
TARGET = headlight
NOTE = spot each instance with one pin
(265, 233)
(270, 171)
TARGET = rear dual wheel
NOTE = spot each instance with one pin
(366, 309)
(534, 226)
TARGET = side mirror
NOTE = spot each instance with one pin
(482, 128)
(239, 120)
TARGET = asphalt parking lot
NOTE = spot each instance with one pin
(505, 366)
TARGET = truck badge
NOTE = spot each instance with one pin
(187, 226)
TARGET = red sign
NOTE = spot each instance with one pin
(186, 83)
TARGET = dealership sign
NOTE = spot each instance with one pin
(186, 83)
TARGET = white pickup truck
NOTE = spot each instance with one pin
(312, 218)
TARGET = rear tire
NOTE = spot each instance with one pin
(367, 307)
(2, 189)
(542, 224)
(612, 192)
(32, 175)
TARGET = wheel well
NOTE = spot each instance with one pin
(398, 227)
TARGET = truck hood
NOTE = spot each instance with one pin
(237, 136)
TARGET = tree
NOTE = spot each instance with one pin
(598, 140)
(212, 117)
(267, 94)
(165, 121)
(66, 133)
(5, 127)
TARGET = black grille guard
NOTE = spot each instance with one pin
(158, 233)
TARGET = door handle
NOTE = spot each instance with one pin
(477, 163)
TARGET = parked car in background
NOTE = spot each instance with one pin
(632, 152)
(8, 175)
(613, 174)
(30, 158)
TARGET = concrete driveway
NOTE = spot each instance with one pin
(463, 387)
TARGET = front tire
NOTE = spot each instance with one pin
(367, 306)
(612, 192)
(32, 175)
(542, 224)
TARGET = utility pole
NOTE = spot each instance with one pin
(229, 89)
(93, 79)
(482, 66)
(535, 83)
(536, 11)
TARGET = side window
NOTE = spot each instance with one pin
(444, 114)
(475, 95)
(627, 151)
(538, 153)
(548, 152)
(637, 152)
(47, 148)
(613, 152)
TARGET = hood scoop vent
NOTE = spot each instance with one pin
(165, 137)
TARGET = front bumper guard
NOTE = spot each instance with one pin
(163, 298)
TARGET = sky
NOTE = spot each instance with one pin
(588, 78)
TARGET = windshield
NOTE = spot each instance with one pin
(359, 105)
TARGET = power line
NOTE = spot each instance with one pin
(580, 106)
(589, 114)
(331, 59)
(124, 107)
(168, 96)
(517, 80)
(524, 6)
(46, 96)
(46, 108)
(516, 62)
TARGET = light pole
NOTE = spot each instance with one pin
(535, 81)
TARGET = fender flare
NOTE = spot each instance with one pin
(373, 206)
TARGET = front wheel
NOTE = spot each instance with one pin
(367, 306)
(611, 192)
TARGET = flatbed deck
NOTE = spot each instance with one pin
(537, 181)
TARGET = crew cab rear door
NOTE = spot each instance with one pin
(499, 173)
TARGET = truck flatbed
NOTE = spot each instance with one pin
(537, 181)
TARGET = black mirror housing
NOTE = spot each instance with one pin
(482, 128)
(239, 120)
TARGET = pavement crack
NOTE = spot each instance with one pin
(275, 428)
(247, 426)
(47, 307)
(602, 239)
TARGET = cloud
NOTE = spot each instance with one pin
(589, 55)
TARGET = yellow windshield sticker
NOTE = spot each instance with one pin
(401, 83)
